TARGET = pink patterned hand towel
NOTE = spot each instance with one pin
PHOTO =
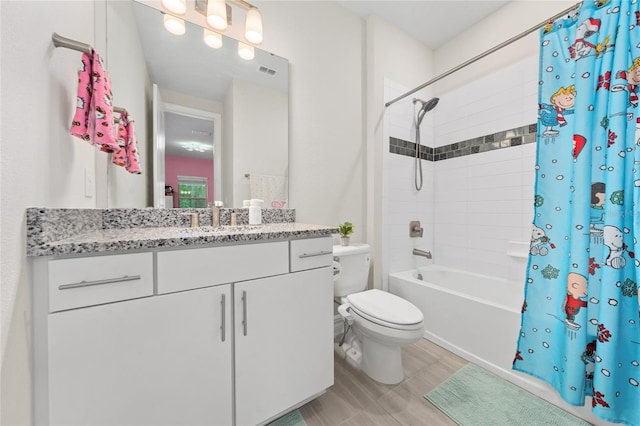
(127, 157)
(93, 120)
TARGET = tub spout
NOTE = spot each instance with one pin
(418, 252)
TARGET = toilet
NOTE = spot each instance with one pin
(382, 322)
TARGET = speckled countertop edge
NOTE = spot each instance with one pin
(109, 240)
(52, 231)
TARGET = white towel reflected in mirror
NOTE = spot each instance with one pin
(273, 190)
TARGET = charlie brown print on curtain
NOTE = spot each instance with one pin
(580, 319)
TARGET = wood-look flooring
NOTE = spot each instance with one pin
(357, 400)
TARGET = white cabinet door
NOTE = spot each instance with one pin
(153, 361)
(284, 342)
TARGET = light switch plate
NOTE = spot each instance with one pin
(89, 183)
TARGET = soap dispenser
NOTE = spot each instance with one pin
(255, 212)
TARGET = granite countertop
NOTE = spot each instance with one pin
(60, 231)
(106, 240)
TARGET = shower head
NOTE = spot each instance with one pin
(426, 107)
(430, 104)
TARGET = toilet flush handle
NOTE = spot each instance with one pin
(343, 310)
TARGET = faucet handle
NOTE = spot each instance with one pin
(194, 219)
(414, 229)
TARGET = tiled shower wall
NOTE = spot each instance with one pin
(401, 202)
(482, 159)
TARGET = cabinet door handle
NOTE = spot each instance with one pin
(99, 282)
(223, 326)
(244, 311)
(320, 253)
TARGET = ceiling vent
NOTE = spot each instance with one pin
(267, 70)
(200, 132)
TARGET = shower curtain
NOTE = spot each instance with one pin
(580, 327)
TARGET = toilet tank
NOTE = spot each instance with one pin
(351, 269)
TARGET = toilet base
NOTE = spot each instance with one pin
(383, 363)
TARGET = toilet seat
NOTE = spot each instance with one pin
(386, 309)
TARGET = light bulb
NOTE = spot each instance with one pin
(253, 27)
(174, 25)
(245, 51)
(217, 14)
(179, 7)
(212, 39)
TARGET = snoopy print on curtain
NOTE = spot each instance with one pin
(580, 328)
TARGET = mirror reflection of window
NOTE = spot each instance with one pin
(192, 192)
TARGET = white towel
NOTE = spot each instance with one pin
(273, 190)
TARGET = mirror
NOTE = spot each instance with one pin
(217, 125)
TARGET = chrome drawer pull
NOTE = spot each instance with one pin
(223, 326)
(244, 311)
(99, 282)
(320, 253)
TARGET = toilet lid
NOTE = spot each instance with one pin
(385, 308)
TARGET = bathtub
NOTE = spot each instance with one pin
(478, 318)
(472, 315)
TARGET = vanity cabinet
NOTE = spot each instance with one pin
(154, 361)
(283, 346)
(216, 335)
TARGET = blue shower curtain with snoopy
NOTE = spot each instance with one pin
(580, 327)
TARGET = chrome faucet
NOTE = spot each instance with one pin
(418, 252)
(215, 216)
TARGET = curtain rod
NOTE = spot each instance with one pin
(485, 53)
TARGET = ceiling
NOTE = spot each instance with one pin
(433, 22)
(183, 133)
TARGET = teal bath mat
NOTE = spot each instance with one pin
(473, 396)
(293, 418)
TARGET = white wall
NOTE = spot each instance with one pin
(42, 165)
(260, 135)
(395, 64)
(324, 45)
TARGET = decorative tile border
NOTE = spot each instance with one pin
(504, 139)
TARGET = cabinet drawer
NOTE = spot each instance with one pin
(74, 283)
(195, 268)
(311, 253)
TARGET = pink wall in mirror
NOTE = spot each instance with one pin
(184, 166)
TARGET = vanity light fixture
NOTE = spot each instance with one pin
(217, 14)
(179, 7)
(194, 146)
(253, 26)
(174, 25)
(245, 51)
(212, 39)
